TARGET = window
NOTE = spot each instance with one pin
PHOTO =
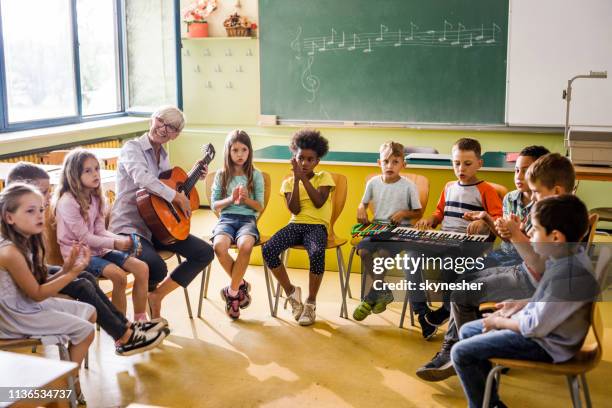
(47, 78)
(39, 60)
(67, 61)
(99, 56)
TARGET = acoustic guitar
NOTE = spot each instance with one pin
(166, 221)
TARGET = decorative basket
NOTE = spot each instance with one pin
(238, 31)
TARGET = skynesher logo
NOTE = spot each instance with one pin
(411, 264)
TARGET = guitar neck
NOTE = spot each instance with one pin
(192, 179)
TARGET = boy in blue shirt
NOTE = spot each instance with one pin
(396, 201)
(553, 325)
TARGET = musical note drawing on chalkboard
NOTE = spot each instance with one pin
(481, 36)
(331, 42)
(459, 28)
(399, 39)
(412, 27)
(468, 45)
(446, 24)
(383, 30)
(492, 40)
(296, 44)
(355, 39)
(310, 82)
(461, 37)
(322, 49)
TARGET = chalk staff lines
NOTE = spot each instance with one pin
(448, 35)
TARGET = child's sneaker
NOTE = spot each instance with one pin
(437, 317)
(382, 300)
(232, 303)
(244, 293)
(362, 311)
(308, 314)
(141, 341)
(154, 324)
(427, 330)
(295, 300)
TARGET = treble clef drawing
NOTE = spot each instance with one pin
(310, 82)
(296, 44)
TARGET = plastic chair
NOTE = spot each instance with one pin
(210, 178)
(585, 360)
(338, 197)
(422, 184)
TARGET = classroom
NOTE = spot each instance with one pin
(211, 203)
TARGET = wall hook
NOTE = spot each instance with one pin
(239, 68)
(229, 85)
(206, 52)
(249, 53)
(228, 52)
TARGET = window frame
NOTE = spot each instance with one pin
(5, 126)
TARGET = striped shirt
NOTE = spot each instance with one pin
(457, 199)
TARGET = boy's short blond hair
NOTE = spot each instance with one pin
(553, 170)
(391, 148)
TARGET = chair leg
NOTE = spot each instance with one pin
(489, 385)
(33, 349)
(188, 303)
(204, 287)
(270, 281)
(269, 288)
(411, 315)
(574, 388)
(64, 355)
(343, 290)
(277, 297)
(587, 395)
(404, 307)
(348, 271)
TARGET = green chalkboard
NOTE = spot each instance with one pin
(415, 61)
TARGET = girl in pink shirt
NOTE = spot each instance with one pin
(78, 206)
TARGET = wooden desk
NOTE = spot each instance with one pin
(20, 370)
(593, 173)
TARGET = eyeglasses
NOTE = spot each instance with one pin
(168, 128)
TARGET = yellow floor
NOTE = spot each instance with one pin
(262, 361)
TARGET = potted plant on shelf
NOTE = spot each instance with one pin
(195, 16)
(237, 26)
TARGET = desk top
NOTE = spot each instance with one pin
(493, 161)
(21, 370)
